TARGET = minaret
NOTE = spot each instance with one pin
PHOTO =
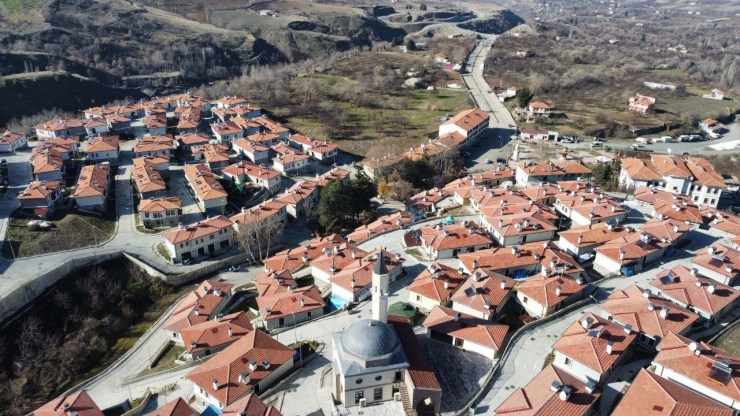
(380, 289)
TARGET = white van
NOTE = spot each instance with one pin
(597, 144)
(642, 140)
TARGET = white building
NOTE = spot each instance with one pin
(206, 237)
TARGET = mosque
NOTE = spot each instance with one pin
(380, 359)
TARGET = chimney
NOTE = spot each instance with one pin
(580, 239)
(675, 228)
(336, 248)
(475, 263)
(217, 290)
(590, 386)
(698, 283)
(500, 223)
(303, 302)
(711, 288)
(215, 384)
(646, 293)
(352, 284)
(609, 347)
(503, 283)
(628, 329)
(487, 304)
(558, 291)
(651, 306)
(268, 311)
(253, 364)
(587, 323)
(664, 312)
(621, 254)
(711, 249)
(553, 262)
(193, 344)
(244, 377)
(526, 222)
(694, 270)
(457, 316)
(447, 283)
(564, 393)
(231, 331)
(513, 250)
(546, 273)
(197, 312)
(447, 233)
(266, 364)
(354, 254)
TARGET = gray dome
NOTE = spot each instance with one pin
(369, 340)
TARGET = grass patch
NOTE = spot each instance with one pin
(69, 231)
(415, 253)
(166, 360)
(19, 4)
(307, 348)
(162, 250)
(730, 341)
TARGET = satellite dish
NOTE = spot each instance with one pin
(693, 346)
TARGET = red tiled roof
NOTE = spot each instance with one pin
(631, 306)
(634, 248)
(538, 399)
(650, 394)
(725, 222)
(252, 406)
(502, 258)
(146, 175)
(201, 229)
(160, 204)
(478, 331)
(39, 189)
(642, 170)
(672, 166)
(593, 234)
(683, 289)
(259, 213)
(227, 127)
(205, 184)
(485, 287)
(724, 260)
(704, 172)
(102, 144)
(590, 351)
(539, 105)
(213, 333)
(203, 299)
(192, 138)
(269, 283)
(431, 282)
(292, 258)
(361, 271)
(543, 290)
(59, 124)
(212, 152)
(79, 402)
(469, 119)
(251, 170)
(228, 366)
(674, 354)
(339, 256)
(250, 145)
(285, 303)
(454, 236)
(177, 407)
(514, 223)
(9, 137)
(44, 162)
(419, 370)
(153, 144)
(93, 180)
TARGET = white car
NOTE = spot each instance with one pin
(597, 144)
(566, 141)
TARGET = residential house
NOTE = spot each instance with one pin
(302, 199)
(642, 104)
(426, 202)
(47, 166)
(441, 58)
(261, 175)
(353, 282)
(250, 127)
(40, 197)
(289, 306)
(712, 127)
(153, 146)
(470, 124)
(489, 179)
(60, 127)
(294, 259)
(177, 407)
(701, 368)
(669, 205)
(64, 147)
(202, 304)
(552, 392)
(435, 286)
(591, 348)
(651, 316)
(160, 212)
(539, 108)
(707, 184)
(102, 149)
(584, 240)
(78, 403)
(696, 292)
(720, 263)
(650, 394)
(231, 102)
(11, 140)
(215, 155)
(334, 259)
(252, 364)
(319, 150)
(147, 178)
(268, 217)
(289, 160)
(445, 241)
(117, 123)
(156, 124)
(484, 294)
(249, 405)
(538, 134)
(209, 337)
(630, 253)
(207, 237)
(254, 151)
(381, 225)
(273, 127)
(489, 197)
(211, 195)
(335, 174)
(465, 331)
(588, 208)
(226, 131)
(523, 261)
(727, 223)
(91, 192)
(246, 111)
(518, 224)
(536, 174)
(189, 121)
(637, 173)
(545, 293)
(186, 141)
(715, 94)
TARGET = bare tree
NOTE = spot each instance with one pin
(310, 208)
(259, 234)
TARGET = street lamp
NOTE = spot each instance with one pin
(295, 337)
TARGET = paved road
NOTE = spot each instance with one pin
(479, 88)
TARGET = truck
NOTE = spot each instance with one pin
(664, 139)
(642, 140)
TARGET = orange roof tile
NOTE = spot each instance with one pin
(249, 169)
(153, 144)
(543, 253)
(228, 366)
(102, 144)
(79, 402)
(206, 185)
(639, 169)
(146, 175)
(261, 212)
(44, 162)
(704, 173)
(544, 289)
(215, 332)
(672, 166)
(683, 288)
(39, 189)
(650, 394)
(251, 405)
(720, 259)
(189, 139)
(463, 326)
(385, 223)
(593, 234)
(454, 236)
(93, 180)
(419, 370)
(177, 407)
(285, 303)
(292, 258)
(437, 282)
(160, 204)
(591, 351)
(10, 137)
(198, 305)
(201, 229)
(469, 119)
(484, 291)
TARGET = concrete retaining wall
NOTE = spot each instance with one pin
(140, 408)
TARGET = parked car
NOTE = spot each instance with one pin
(566, 140)
(635, 146)
(597, 144)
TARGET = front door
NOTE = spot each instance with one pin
(359, 395)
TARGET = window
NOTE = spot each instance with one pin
(568, 362)
(525, 299)
(418, 297)
(281, 321)
(359, 395)
(378, 378)
(309, 314)
(713, 201)
(358, 381)
(146, 215)
(378, 393)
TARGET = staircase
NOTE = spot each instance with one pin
(405, 399)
